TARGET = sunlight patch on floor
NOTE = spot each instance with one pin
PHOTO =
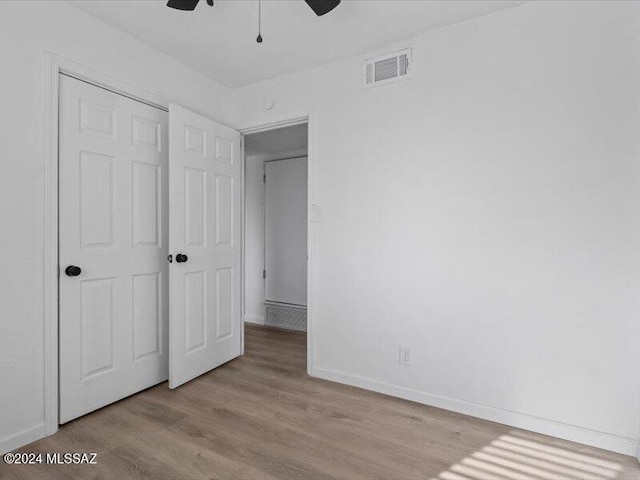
(512, 457)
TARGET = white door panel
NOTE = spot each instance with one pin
(286, 231)
(113, 196)
(205, 209)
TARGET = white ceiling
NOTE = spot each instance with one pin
(220, 41)
(282, 140)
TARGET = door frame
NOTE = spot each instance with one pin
(55, 66)
(312, 221)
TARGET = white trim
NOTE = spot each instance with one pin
(122, 93)
(56, 65)
(102, 80)
(265, 127)
(291, 121)
(242, 242)
(50, 271)
(312, 227)
(24, 437)
(574, 433)
(255, 319)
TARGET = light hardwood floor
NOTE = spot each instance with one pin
(262, 417)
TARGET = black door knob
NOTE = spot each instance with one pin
(72, 271)
(181, 258)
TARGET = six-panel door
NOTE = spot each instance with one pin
(113, 225)
(205, 212)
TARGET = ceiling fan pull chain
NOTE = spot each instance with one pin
(259, 39)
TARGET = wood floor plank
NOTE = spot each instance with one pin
(261, 417)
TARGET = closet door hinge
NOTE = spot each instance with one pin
(264, 274)
(264, 178)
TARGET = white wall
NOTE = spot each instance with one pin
(27, 30)
(486, 214)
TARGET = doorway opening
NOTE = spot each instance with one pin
(276, 244)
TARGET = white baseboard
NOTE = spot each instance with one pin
(606, 441)
(258, 320)
(594, 438)
(22, 438)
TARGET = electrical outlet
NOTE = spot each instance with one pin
(404, 357)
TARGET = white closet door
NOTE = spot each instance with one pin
(286, 231)
(205, 229)
(113, 201)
